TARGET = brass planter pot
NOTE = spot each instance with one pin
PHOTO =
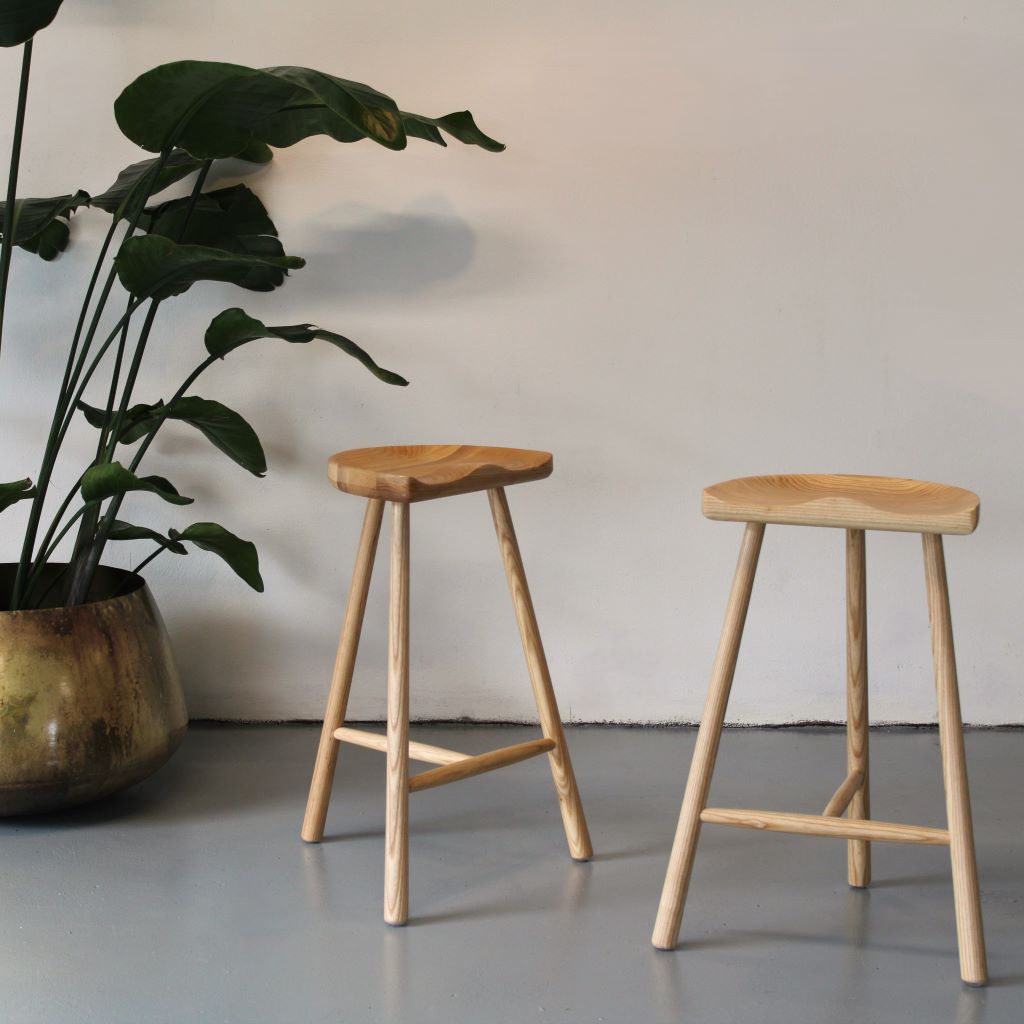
(90, 700)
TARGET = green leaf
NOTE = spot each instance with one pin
(225, 429)
(20, 20)
(234, 327)
(41, 225)
(292, 125)
(136, 422)
(359, 107)
(151, 265)
(210, 109)
(459, 125)
(110, 479)
(221, 110)
(15, 491)
(232, 219)
(133, 183)
(256, 152)
(126, 531)
(241, 555)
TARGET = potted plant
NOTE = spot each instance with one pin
(90, 700)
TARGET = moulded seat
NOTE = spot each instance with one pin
(418, 472)
(850, 502)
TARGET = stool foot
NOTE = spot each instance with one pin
(396, 831)
(341, 681)
(858, 852)
(684, 848)
(966, 897)
(573, 819)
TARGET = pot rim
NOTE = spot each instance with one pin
(133, 582)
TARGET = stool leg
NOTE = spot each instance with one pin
(966, 898)
(396, 832)
(858, 851)
(680, 865)
(341, 681)
(573, 819)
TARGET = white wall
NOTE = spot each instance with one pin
(726, 238)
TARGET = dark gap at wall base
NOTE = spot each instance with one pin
(519, 724)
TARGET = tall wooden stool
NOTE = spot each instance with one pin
(403, 475)
(855, 504)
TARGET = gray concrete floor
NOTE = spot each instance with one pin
(191, 898)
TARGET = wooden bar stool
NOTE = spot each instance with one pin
(855, 504)
(403, 475)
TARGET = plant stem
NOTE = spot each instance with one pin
(85, 567)
(93, 281)
(7, 246)
(110, 515)
(92, 537)
(65, 406)
(55, 523)
(129, 383)
(147, 327)
(142, 565)
(115, 380)
(135, 572)
(41, 564)
(87, 526)
(49, 459)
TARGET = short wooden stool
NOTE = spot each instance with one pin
(403, 475)
(856, 504)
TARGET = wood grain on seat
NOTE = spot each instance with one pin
(418, 472)
(851, 502)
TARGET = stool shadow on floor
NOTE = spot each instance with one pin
(569, 897)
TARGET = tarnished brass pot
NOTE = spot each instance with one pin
(90, 700)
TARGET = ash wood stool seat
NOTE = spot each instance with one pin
(854, 504)
(402, 475)
(423, 471)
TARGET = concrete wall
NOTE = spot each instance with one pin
(726, 238)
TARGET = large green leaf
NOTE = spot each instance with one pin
(294, 124)
(110, 479)
(154, 266)
(240, 554)
(41, 225)
(20, 20)
(137, 181)
(219, 110)
(126, 531)
(232, 219)
(459, 125)
(223, 427)
(15, 491)
(361, 107)
(234, 327)
(208, 108)
(218, 218)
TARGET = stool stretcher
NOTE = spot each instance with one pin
(819, 825)
(470, 766)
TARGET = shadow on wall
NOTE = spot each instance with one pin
(387, 254)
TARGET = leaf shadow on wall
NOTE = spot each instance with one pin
(354, 252)
(378, 254)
